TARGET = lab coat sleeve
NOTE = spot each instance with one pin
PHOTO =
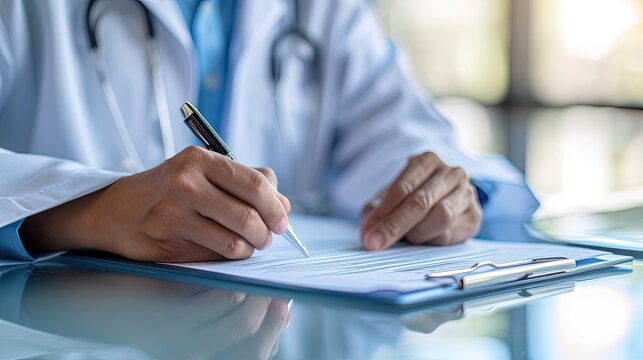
(383, 119)
(30, 184)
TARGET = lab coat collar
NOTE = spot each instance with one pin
(255, 18)
(168, 13)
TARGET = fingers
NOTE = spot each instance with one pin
(215, 237)
(214, 303)
(426, 323)
(442, 217)
(370, 206)
(367, 209)
(416, 172)
(429, 203)
(238, 325)
(174, 251)
(197, 205)
(238, 216)
(249, 186)
(264, 343)
(463, 229)
(270, 175)
(411, 211)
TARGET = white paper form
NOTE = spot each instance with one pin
(338, 261)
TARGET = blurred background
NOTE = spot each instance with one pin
(555, 85)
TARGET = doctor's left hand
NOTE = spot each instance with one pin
(429, 203)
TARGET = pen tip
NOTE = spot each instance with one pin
(304, 251)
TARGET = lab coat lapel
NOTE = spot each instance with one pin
(257, 15)
(250, 114)
(168, 14)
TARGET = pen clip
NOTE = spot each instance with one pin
(196, 131)
(505, 272)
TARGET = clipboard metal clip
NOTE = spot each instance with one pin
(506, 272)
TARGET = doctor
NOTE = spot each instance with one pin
(88, 141)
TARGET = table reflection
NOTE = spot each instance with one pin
(58, 311)
(98, 314)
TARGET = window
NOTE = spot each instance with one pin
(587, 52)
(532, 79)
(457, 48)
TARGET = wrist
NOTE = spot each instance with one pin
(74, 225)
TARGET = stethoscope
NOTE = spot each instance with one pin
(160, 94)
(292, 41)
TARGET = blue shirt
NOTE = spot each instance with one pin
(10, 244)
(211, 23)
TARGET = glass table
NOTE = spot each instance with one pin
(60, 310)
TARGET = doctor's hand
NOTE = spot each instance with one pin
(429, 203)
(196, 206)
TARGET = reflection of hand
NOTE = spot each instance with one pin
(164, 319)
(196, 206)
(428, 322)
(429, 203)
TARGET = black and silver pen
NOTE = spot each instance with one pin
(212, 141)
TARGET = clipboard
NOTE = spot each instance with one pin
(503, 278)
(523, 275)
(489, 267)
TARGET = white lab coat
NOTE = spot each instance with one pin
(58, 140)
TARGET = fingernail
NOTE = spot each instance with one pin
(283, 224)
(285, 199)
(375, 241)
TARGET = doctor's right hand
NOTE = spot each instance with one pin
(196, 206)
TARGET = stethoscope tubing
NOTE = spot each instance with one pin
(158, 83)
(305, 185)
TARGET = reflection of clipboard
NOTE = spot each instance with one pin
(488, 282)
(513, 299)
(429, 319)
(515, 296)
